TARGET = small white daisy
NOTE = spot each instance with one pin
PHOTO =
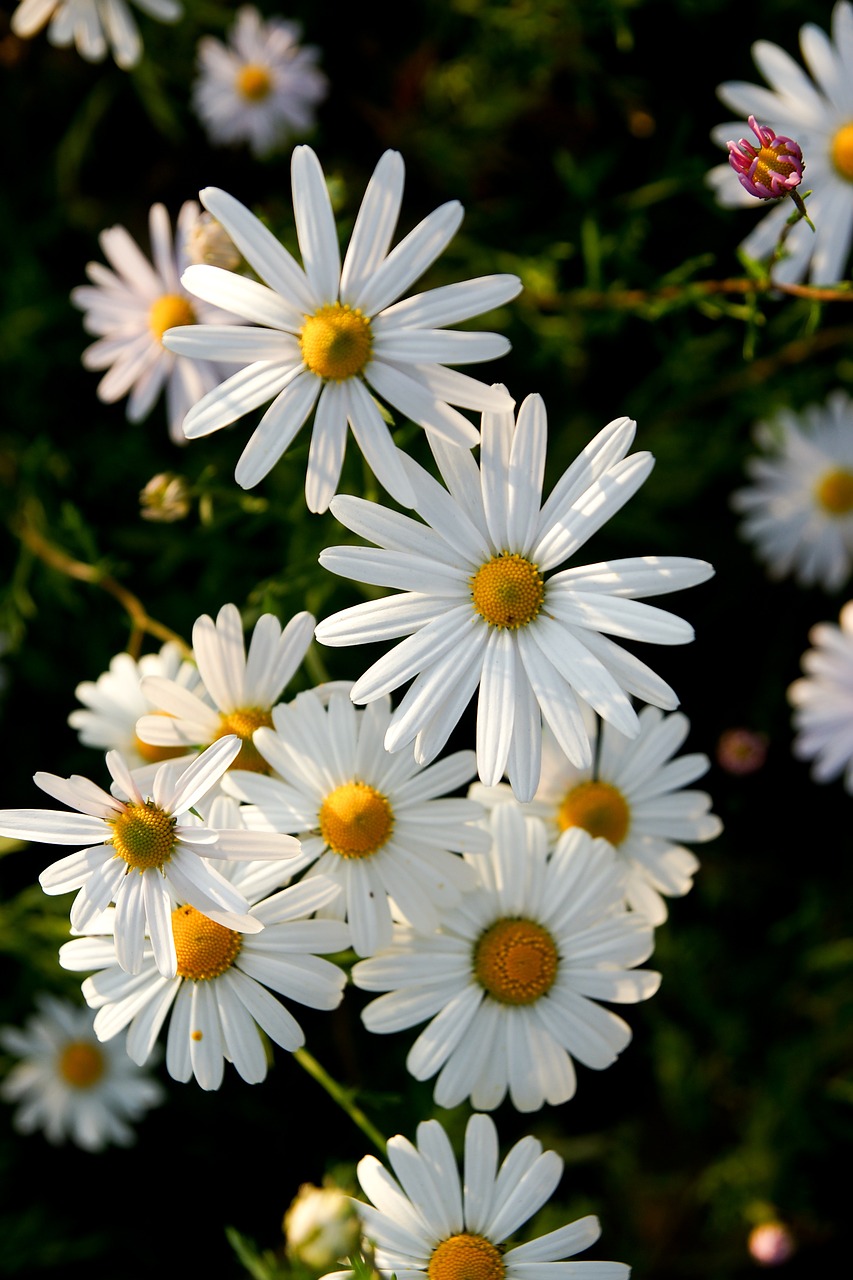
(140, 852)
(96, 27)
(380, 826)
(633, 797)
(511, 980)
(427, 1221)
(220, 996)
(332, 337)
(70, 1086)
(261, 87)
(478, 610)
(799, 510)
(238, 689)
(822, 700)
(818, 112)
(114, 702)
(129, 305)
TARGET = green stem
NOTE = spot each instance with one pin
(342, 1097)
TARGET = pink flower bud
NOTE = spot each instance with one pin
(771, 1244)
(772, 170)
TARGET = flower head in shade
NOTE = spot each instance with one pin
(381, 827)
(96, 27)
(330, 339)
(741, 750)
(70, 1086)
(321, 1226)
(822, 701)
(481, 608)
(114, 702)
(426, 1220)
(815, 107)
(510, 982)
(129, 305)
(633, 796)
(141, 852)
(220, 1001)
(770, 170)
(238, 688)
(798, 510)
(261, 87)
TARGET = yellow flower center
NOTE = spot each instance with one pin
(154, 754)
(516, 961)
(834, 492)
(81, 1064)
(204, 949)
(243, 723)
(466, 1257)
(508, 591)
(168, 312)
(842, 151)
(336, 342)
(598, 807)
(356, 820)
(253, 82)
(144, 835)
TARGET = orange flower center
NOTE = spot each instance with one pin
(243, 724)
(508, 591)
(336, 342)
(253, 82)
(356, 820)
(516, 961)
(466, 1257)
(842, 151)
(168, 312)
(81, 1064)
(599, 808)
(834, 492)
(144, 835)
(204, 949)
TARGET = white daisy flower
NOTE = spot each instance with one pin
(510, 981)
(633, 797)
(799, 510)
(326, 336)
(114, 702)
(478, 610)
(129, 305)
(427, 1221)
(381, 827)
(238, 689)
(816, 109)
(70, 1086)
(220, 995)
(157, 837)
(261, 87)
(822, 700)
(96, 27)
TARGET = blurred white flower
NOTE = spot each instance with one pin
(94, 26)
(261, 86)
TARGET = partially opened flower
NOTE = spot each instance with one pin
(814, 106)
(114, 702)
(237, 689)
(381, 827)
(509, 983)
(798, 510)
(633, 796)
(427, 1220)
(96, 27)
(129, 305)
(261, 86)
(331, 337)
(770, 170)
(822, 701)
(480, 612)
(68, 1085)
(142, 852)
(220, 997)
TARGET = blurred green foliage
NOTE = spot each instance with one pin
(577, 137)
